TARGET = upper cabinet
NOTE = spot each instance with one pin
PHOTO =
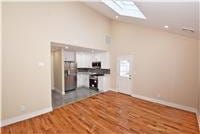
(85, 59)
(104, 58)
(69, 56)
(96, 57)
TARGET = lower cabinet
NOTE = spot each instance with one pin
(104, 83)
(101, 83)
(82, 80)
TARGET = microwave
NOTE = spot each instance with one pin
(96, 64)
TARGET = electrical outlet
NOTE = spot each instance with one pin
(22, 108)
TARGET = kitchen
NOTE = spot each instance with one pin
(78, 73)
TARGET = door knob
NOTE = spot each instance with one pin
(130, 77)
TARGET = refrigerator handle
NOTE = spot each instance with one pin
(68, 71)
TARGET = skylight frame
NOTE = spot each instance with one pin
(119, 6)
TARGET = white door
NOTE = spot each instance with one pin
(124, 74)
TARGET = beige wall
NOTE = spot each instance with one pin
(52, 71)
(199, 68)
(165, 64)
(0, 62)
(58, 70)
(199, 79)
(28, 29)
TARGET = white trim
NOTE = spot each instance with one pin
(63, 71)
(178, 106)
(130, 57)
(25, 116)
(198, 120)
(63, 93)
(110, 89)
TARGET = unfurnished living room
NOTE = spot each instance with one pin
(100, 67)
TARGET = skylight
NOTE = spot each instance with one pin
(125, 8)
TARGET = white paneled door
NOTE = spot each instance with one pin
(124, 74)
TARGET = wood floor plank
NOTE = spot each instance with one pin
(109, 113)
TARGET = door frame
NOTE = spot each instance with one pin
(128, 56)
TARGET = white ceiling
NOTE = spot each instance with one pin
(174, 14)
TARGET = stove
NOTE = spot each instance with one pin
(93, 82)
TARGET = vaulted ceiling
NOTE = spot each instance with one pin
(178, 16)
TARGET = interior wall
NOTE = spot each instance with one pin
(199, 81)
(0, 60)
(28, 29)
(199, 70)
(165, 64)
(52, 71)
(58, 71)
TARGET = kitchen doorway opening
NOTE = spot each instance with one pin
(76, 73)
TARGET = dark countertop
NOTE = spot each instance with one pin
(94, 70)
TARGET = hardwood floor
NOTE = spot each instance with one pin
(109, 113)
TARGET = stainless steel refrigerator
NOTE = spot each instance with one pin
(70, 75)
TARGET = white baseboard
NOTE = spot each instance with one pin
(25, 116)
(105, 90)
(111, 89)
(63, 93)
(198, 119)
(178, 106)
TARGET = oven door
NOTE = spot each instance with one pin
(93, 82)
